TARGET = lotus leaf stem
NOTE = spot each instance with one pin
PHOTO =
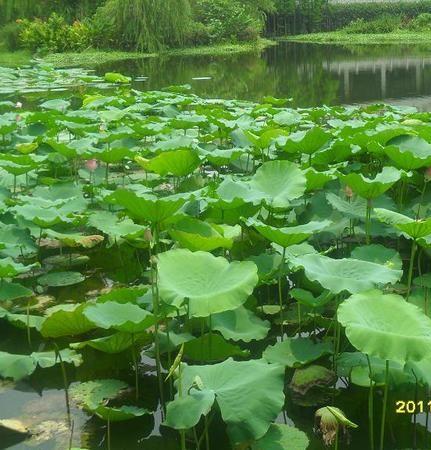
(385, 404)
(410, 273)
(371, 405)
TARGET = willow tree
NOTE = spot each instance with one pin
(147, 25)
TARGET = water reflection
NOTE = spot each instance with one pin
(311, 74)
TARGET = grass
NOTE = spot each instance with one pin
(341, 37)
(92, 58)
(14, 59)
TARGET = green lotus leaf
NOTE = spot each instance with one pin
(378, 254)
(275, 183)
(10, 269)
(317, 180)
(111, 155)
(354, 365)
(306, 378)
(66, 320)
(57, 104)
(282, 437)
(16, 366)
(62, 148)
(185, 412)
(288, 236)
(420, 370)
(409, 152)
(42, 217)
(96, 391)
(25, 321)
(196, 234)
(176, 162)
(115, 228)
(115, 343)
(307, 298)
(255, 385)
(307, 142)
(222, 157)
(114, 77)
(268, 266)
(240, 325)
(124, 294)
(147, 207)
(212, 347)
(21, 366)
(13, 291)
(59, 279)
(352, 275)
(279, 182)
(124, 317)
(74, 240)
(386, 326)
(207, 283)
(15, 241)
(287, 117)
(415, 229)
(66, 260)
(26, 148)
(117, 414)
(50, 359)
(296, 352)
(373, 187)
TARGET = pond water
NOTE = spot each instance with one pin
(311, 74)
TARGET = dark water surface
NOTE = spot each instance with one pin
(311, 74)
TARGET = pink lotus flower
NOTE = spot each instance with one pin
(92, 165)
(348, 191)
(18, 118)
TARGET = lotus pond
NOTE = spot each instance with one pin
(187, 273)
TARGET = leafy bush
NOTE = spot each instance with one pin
(384, 24)
(293, 17)
(227, 20)
(54, 35)
(421, 23)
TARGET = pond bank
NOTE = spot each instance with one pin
(92, 58)
(342, 38)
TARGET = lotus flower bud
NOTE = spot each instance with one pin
(148, 236)
(91, 165)
(329, 421)
(428, 174)
(348, 191)
(18, 118)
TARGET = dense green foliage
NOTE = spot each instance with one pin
(54, 34)
(308, 16)
(259, 256)
(144, 25)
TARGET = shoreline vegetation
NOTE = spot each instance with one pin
(94, 57)
(342, 38)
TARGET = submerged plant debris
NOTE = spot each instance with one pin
(215, 271)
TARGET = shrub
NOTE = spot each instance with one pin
(54, 35)
(421, 22)
(383, 24)
(228, 20)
